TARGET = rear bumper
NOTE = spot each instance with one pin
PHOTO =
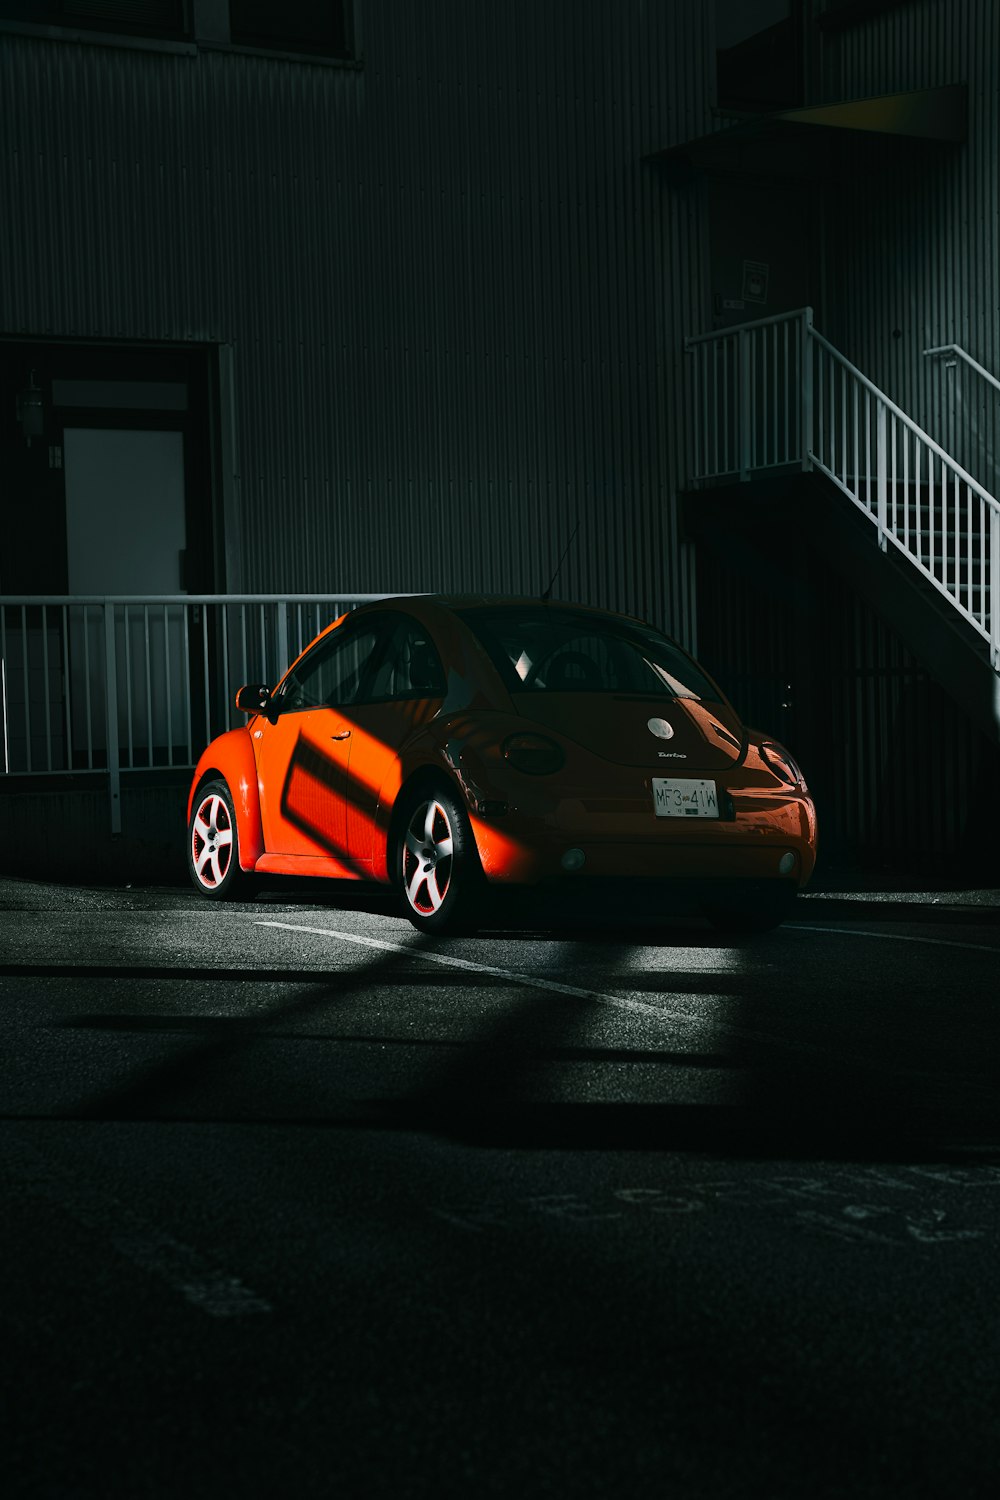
(769, 837)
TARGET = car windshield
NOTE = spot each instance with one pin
(545, 649)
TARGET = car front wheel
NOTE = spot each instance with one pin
(213, 846)
(437, 863)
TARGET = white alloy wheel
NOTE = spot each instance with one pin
(213, 844)
(428, 857)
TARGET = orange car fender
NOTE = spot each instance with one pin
(422, 757)
(426, 756)
(231, 758)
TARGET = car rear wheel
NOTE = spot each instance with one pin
(437, 863)
(213, 845)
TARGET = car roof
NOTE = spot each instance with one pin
(456, 603)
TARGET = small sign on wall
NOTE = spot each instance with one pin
(755, 280)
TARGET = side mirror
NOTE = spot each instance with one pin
(254, 699)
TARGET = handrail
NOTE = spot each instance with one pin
(901, 416)
(722, 333)
(52, 600)
(973, 364)
(775, 395)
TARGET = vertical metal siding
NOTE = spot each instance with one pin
(912, 263)
(456, 295)
(897, 773)
(914, 246)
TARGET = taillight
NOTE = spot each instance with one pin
(778, 760)
(532, 753)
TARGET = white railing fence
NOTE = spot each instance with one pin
(127, 683)
(750, 387)
(775, 395)
(964, 398)
(953, 353)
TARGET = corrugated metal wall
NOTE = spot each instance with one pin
(900, 777)
(456, 298)
(913, 247)
(908, 772)
(911, 250)
(456, 294)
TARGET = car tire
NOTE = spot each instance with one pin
(753, 914)
(437, 865)
(213, 850)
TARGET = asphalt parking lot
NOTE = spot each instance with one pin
(298, 1200)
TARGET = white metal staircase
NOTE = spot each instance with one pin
(775, 395)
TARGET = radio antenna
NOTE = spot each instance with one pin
(559, 564)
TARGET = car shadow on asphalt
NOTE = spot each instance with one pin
(787, 1105)
(661, 914)
(771, 1094)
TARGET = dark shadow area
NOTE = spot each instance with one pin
(792, 1105)
(803, 1086)
(649, 917)
(792, 1130)
(225, 1026)
(795, 1095)
(333, 895)
(133, 1099)
(664, 911)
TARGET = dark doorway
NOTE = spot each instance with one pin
(762, 242)
(107, 457)
(110, 484)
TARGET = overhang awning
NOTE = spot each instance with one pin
(805, 142)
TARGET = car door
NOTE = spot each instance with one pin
(405, 690)
(302, 757)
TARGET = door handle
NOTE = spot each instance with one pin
(344, 734)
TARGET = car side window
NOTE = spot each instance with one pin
(332, 674)
(408, 667)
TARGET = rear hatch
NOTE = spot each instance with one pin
(673, 734)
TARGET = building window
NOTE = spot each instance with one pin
(293, 26)
(154, 18)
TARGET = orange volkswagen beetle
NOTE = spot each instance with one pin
(447, 745)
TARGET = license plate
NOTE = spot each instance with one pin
(679, 797)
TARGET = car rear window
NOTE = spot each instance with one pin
(542, 649)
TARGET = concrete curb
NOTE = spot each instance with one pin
(899, 906)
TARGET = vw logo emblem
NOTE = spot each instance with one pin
(660, 728)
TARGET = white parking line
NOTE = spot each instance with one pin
(893, 937)
(534, 981)
(537, 982)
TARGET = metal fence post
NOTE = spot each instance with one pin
(881, 461)
(745, 446)
(111, 717)
(281, 621)
(995, 587)
(806, 385)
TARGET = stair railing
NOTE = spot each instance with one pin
(775, 396)
(951, 352)
(752, 396)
